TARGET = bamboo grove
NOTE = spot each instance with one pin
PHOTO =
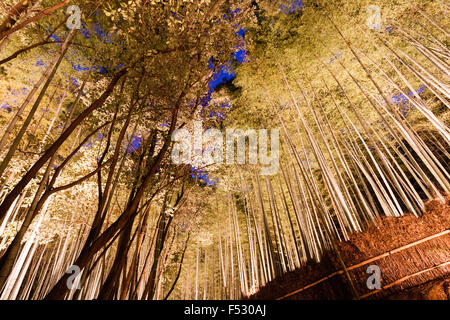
(87, 183)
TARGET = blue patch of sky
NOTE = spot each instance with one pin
(200, 174)
(225, 73)
(175, 16)
(7, 107)
(164, 124)
(136, 143)
(222, 75)
(403, 101)
(102, 36)
(291, 6)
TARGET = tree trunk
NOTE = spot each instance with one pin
(14, 14)
(32, 172)
(52, 71)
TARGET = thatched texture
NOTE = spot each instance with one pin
(402, 269)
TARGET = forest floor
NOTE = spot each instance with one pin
(438, 289)
(418, 271)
